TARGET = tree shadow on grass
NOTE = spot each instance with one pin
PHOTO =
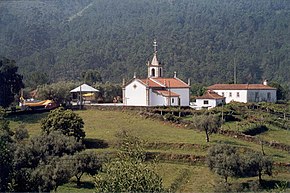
(28, 118)
(91, 143)
(253, 185)
(228, 142)
(87, 185)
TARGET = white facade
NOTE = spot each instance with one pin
(184, 96)
(207, 103)
(246, 92)
(233, 95)
(135, 94)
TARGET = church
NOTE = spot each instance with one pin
(156, 90)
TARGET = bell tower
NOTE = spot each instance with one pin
(154, 68)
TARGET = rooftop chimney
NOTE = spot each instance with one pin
(265, 82)
(175, 74)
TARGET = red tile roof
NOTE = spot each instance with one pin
(210, 95)
(150, 83)
(164, 82)
(167, 93)
(240, 87)
(171, 82)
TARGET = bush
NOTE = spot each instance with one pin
(171, 118)
(66, 121)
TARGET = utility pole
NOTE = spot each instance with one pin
(235, 71)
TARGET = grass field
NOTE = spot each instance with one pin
(104, 125)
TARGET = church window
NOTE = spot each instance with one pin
(160, 72)
(205, 102)
(172, 100)
(134, 86)
(230, 94)
(153, 72)
(238, 94)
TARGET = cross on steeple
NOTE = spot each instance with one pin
(155, 46)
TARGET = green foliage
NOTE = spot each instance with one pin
(197, 89)
(58, 92)
(257, 164)
(63, 38)
(10, 81)
(129, 172)
(130, 147)
(208, 123)
(85, 162)
(65, 121)
(49, 176)
(40, 165)
(35, 79)
(21, 133)
(224, 160)
(172, 118)
(91, 77)
(125, 176)
(6, 152)
(55, 143)
(109, 92)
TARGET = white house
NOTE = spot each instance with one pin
(155, 90)
(246, 92)
(209, 100)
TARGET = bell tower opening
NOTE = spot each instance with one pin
(153, 72)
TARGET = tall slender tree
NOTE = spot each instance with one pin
(10, 81)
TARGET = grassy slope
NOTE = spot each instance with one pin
(104, 125)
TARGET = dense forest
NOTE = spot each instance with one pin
(200, 39)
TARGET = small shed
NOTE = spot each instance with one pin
(84, 93)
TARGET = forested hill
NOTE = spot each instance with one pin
(200, 39)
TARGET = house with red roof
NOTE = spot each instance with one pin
(156, 90)
(209, 100)
(246, 93)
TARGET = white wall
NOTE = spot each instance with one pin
(156, 99)
(234, 95)
(200, 103)
(135, 94)
(160, 100)
(183, 94)
(262, 95)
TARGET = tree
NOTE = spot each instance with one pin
(34, 79)
(129, 172)
(42, 163)
(256, 164)
(207, 123)
(224, 160)
(6, 152)
(51, 175)
(91, 76)
(21, 133)
(66, 121)
(85, 162)
(58, 92)
(10, 81)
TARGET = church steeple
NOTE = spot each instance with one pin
(154, 68)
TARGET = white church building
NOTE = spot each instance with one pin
(156, 90)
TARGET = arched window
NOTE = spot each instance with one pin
(160, 72)
(153, 72)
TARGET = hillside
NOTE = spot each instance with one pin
(200, 39)
(181, 151)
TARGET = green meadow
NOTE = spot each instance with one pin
(103, 125)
